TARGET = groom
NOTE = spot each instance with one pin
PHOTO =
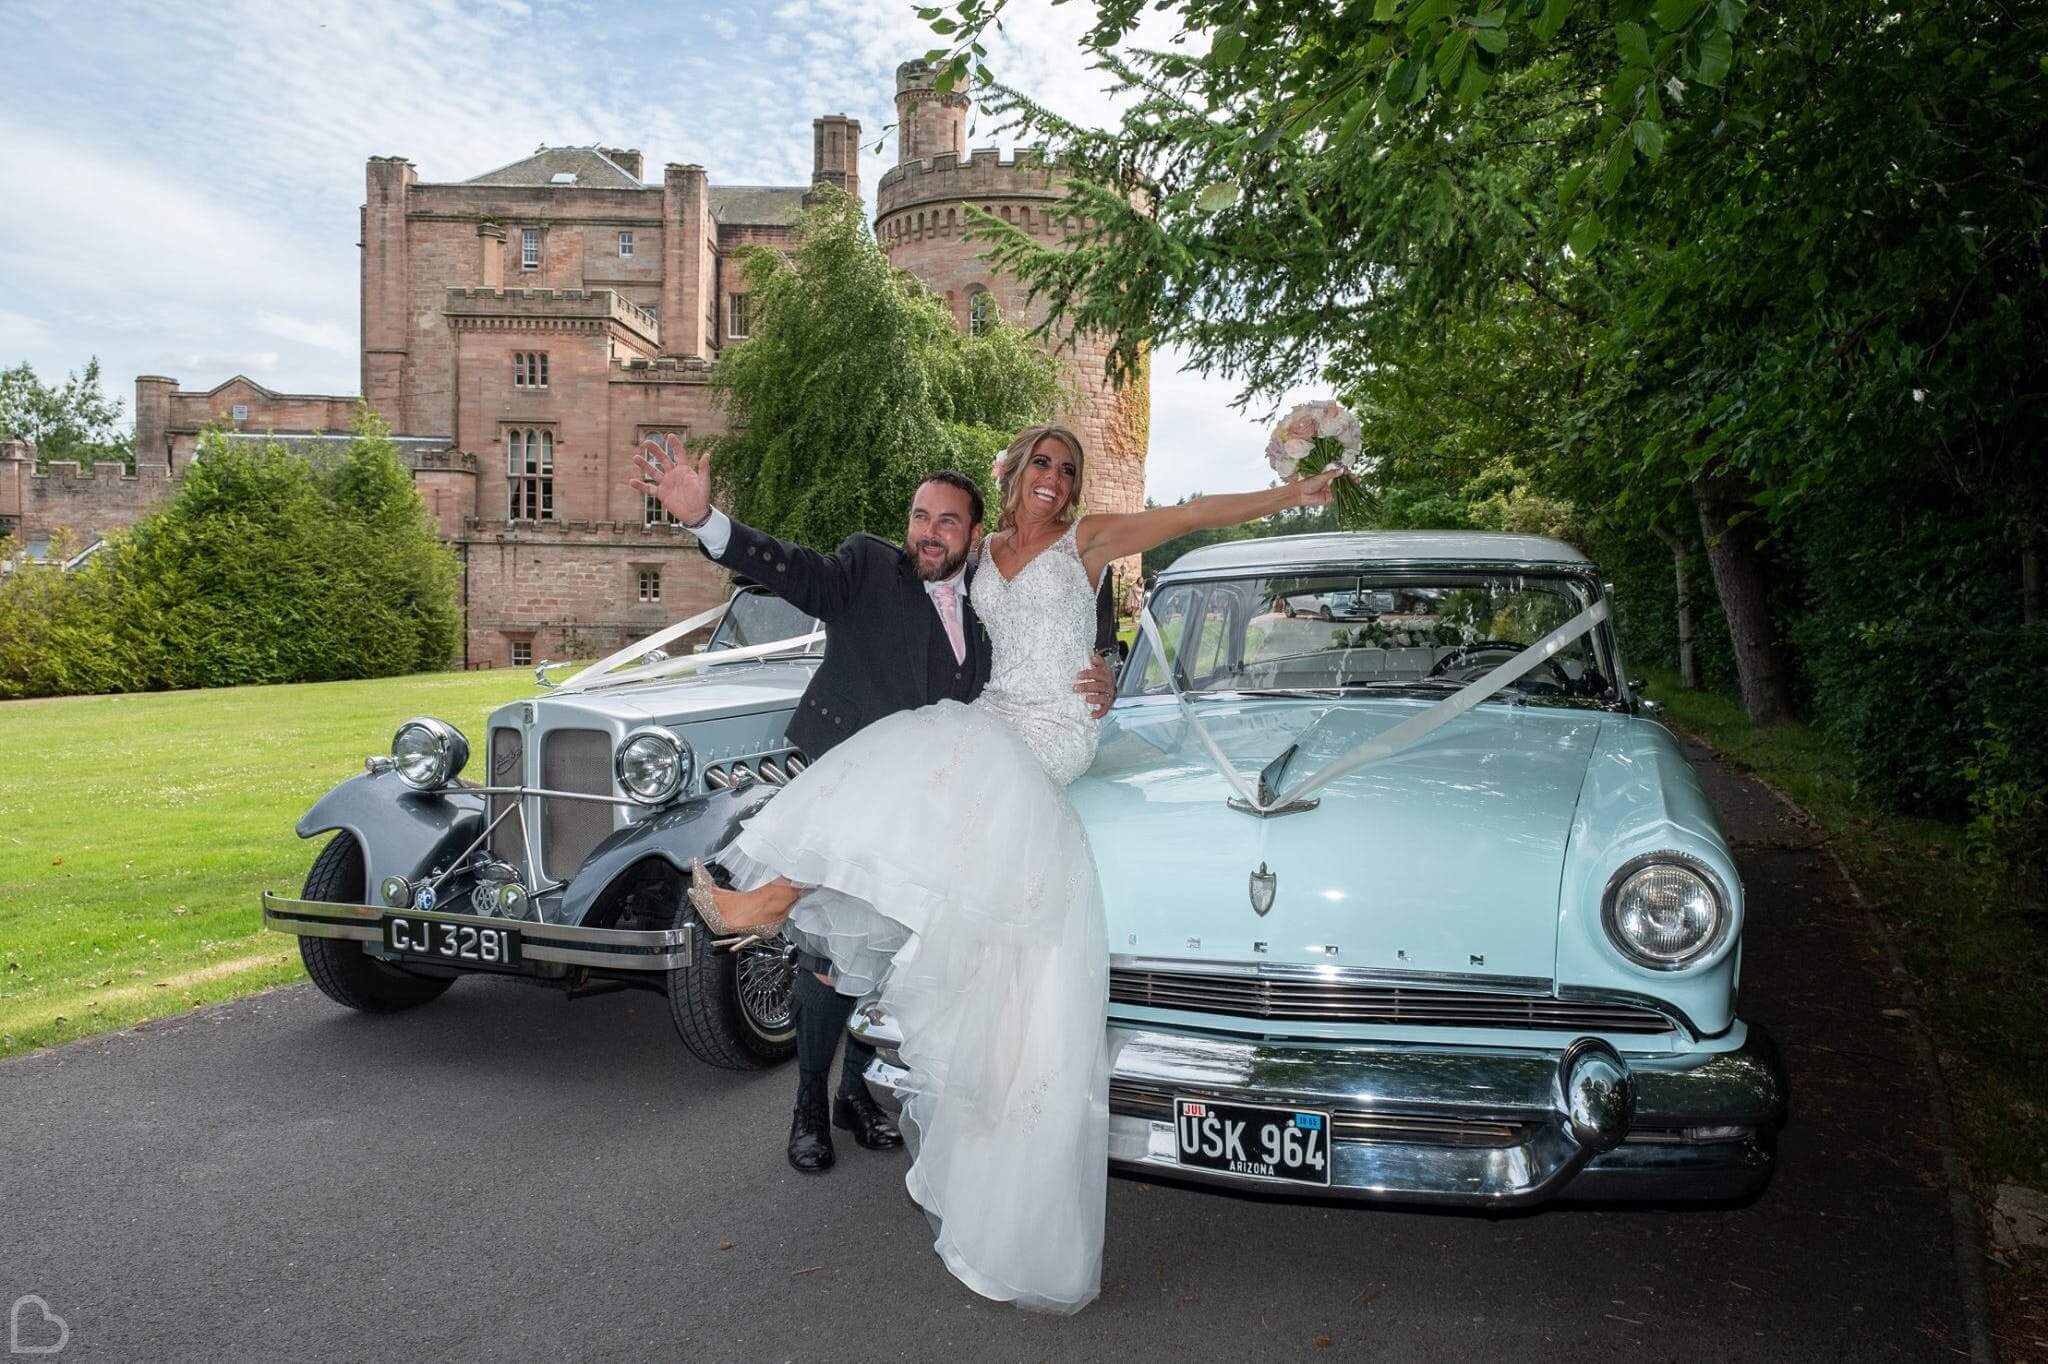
(900, 633)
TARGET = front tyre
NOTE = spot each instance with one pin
(735, 1010)
(343, 971)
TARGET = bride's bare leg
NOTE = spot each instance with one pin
(740, 911)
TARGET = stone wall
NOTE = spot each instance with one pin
(573, 590)
(87, 501)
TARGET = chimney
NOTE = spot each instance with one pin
(835, 153)
(628, 159)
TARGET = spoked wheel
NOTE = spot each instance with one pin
(735, 1010)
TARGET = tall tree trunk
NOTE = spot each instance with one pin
(1681, 569)
(1739, 568)
(2030, 576)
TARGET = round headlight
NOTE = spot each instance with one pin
(1665, 911)
(652, 766)
(428, 753)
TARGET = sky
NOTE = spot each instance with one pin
(184, 178)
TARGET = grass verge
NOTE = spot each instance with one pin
(1977, 955)
(136, 831)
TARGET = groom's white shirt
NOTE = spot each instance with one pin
(716, 533)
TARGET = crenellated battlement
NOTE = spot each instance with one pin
(90, 500)
(986, 171)
(663, 369)
(478, 306)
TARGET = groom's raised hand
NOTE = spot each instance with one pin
(681, 484)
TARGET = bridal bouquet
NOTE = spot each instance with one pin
(1311, 438)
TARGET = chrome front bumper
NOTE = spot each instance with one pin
(612, 948)
(1422, 1124)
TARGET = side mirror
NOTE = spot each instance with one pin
(700, 648)
(1639, 685)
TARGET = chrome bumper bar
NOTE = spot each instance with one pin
(1429, 1124)
(612, 948)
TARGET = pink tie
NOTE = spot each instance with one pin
(946, 599)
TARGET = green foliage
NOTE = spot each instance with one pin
(856, 384)
(260, 569)
(1293, 521)
(73, 421)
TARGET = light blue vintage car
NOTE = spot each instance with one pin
(1408, 898)
(1495, 966)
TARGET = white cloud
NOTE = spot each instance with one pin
(326, 335)
(19, 331)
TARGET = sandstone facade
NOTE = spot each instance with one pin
(522, 330)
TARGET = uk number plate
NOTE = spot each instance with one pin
(466, 944)
(1287, 1144)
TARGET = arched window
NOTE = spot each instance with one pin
(981, 311)
(530, 472)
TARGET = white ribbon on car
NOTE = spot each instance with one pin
(600, 671)
(1402, 736)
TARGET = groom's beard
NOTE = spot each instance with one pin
(935, 570)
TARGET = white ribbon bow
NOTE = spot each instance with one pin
(600, 670)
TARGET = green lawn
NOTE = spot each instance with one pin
(136, 831)
(1977, 954)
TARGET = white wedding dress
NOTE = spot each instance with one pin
(950, 869)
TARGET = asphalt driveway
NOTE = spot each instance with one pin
(507, 1174)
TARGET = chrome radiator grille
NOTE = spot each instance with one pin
(507, 768)
(573, 760)
(1337, 1001)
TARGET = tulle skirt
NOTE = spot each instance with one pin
(949, 870)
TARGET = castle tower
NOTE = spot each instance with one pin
(927, 122)
(835, 153)
(921, 222)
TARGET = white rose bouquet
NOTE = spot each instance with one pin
(1311, 438)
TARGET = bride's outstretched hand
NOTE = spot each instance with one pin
(1315, 491)
(682, 484)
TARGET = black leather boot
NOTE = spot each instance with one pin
(810, 1133)
(862, 1116)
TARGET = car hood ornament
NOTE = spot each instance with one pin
(1264, 883)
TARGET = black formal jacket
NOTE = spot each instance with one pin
(885, 648)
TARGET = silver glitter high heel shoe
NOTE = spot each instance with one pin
(704, 902)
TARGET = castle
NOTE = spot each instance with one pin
(523, 330)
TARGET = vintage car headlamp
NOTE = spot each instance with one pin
(1665, 911)
(653, 765)
(428, 753)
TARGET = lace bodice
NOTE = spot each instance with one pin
(1041, 628)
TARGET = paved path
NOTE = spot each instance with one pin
(506, 1174)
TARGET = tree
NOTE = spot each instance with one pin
(261, 569)
(856, 384)
(1790, 250)
(74, 421)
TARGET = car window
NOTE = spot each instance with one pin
(760, 617)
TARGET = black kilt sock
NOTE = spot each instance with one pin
(821, 1014)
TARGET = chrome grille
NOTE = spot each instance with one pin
(1346, 1124)
(573, 760)
(1338, 1001)
(507, 768)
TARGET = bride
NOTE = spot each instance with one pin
(934, 854)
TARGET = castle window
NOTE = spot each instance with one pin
(529, 369)
(240, 412)
(652, 513)
(530, 472)
(650, 584)
(522, 653)
(625, 243)
(740, 320)
(529, 248)
(981, 312)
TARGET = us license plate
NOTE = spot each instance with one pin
(466, 944)
(1291, 1145)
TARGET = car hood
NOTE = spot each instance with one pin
(715, 691)
(1445, 857)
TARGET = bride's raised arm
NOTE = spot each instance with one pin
(1108, 536)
